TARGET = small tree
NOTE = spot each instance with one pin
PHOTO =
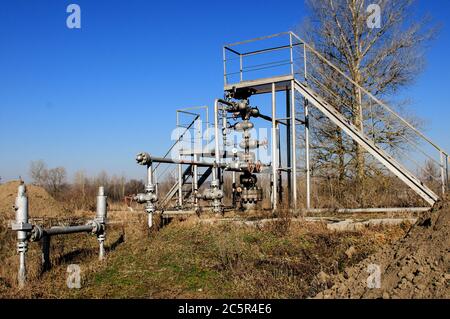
(39, 172)
(56, 179)
(382, 60)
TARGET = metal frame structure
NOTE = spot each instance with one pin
(298, 75)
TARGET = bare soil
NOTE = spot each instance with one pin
(416, 266)
(41, 204)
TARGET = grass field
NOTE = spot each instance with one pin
(194, 260)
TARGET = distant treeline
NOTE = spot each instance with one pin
(82, 190)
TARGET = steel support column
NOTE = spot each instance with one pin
(280, 161)
(308, 169)
(180, 184)
(216, 137)
(443, 174)
(274, 150)
(288, 145)
(294, 149)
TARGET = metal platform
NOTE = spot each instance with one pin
(262, 86)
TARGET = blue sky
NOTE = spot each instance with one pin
(90, 99)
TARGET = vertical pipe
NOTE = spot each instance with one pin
(224, 140)
(274, 150)
(443, 173)
(288, 144)
(22, 275)
(101, 201)
(294, 148)
(308, 170)
(101, 214)
(150, 189)
(21, 207)
(101, 250)
(216, 135)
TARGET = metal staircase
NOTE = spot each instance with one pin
(184, 173)
(388, 161)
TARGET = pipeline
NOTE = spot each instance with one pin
(26, 232)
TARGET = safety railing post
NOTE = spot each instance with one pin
(291, 53)
(305, 62)
(446, 171)
(361, 113)
(443, 173)
(224, 66)
(241, 67)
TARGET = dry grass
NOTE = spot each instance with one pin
(192, 260)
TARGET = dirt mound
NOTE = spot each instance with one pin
(417, 266)
(41, 204)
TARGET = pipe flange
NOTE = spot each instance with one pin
(36, 233)
(22, 246)
(97, 227)
(101, 238)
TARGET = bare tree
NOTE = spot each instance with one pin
(382, 60)
(56, 179)
(39, 172)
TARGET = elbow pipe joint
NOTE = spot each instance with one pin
(143, 159)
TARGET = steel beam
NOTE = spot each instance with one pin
(308, 169)
(288, 143)
(443, 174)
(294, 149)
(274, 150)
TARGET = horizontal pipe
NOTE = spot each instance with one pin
(68, 230)
(180, 161)
(225, 166)
(371, 210)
